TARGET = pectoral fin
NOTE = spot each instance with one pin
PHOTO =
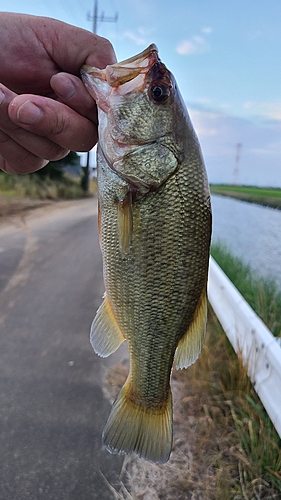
(125, 222)
(105, 335)
(190, 345)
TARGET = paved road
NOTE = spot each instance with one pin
(52, 409)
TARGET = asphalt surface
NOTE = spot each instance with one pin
(52, 408)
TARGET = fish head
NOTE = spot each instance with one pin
(137, 99)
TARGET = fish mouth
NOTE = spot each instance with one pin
(124, 71)
(131, 75)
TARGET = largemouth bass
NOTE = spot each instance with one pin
(155, 228)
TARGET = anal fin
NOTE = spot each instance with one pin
(190, 345)
(105, 335)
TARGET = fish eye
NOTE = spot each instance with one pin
(159, 92)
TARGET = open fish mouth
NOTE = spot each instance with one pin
(133, 74)
(125, 71)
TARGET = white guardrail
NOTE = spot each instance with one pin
(251, 339)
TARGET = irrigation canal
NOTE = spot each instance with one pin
(250, 231)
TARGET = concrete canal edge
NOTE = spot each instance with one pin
(250, 338)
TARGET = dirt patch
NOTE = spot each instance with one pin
(14, 206)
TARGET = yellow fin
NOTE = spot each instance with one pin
(125, 223)
(132, 428)
(190, 345)
(105, 335)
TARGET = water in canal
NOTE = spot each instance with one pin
(250, 231)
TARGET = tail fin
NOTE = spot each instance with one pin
(133, 428)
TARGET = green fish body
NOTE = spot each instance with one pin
(155, 229)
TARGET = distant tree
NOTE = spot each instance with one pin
(54, 169)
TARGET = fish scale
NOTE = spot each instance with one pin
(155, 228)
(152, 242)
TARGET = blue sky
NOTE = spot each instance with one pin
(225, 56)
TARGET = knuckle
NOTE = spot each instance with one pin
(57, 126)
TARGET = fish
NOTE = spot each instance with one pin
(155, 228)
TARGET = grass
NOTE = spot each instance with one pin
(264, 196)
(33, 187)
(225, 446)
(263, 294)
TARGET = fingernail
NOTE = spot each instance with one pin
(28, 113)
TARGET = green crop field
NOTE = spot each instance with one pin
(263, 196)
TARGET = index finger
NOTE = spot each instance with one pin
(53, 120)
(72, 92)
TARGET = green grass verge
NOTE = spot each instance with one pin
(34, 187)
(263, 196)
(263, 294)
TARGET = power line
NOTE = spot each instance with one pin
(100, 18)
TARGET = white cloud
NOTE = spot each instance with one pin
(202, 126)
(219, 134)
(135, 37)
(270, 110)
(195, 45)
(204, 100)
(141, 36)
(207, 30)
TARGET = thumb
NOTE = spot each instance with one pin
(71, 47)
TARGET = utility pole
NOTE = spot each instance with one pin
(102, 19)
(237, 160)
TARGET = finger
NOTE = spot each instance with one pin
(72, 92)
(15, 159)
(85, 47)
(24, 142)
(105, 55)
(54, 121)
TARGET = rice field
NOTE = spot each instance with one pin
(263, 196)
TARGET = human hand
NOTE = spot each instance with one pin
(38, 51)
